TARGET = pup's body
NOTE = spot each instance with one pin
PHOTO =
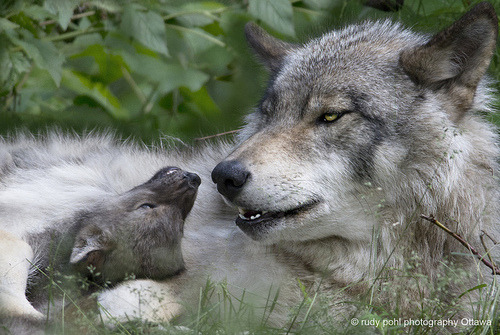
(63, 205)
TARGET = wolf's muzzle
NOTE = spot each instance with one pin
(230, 177)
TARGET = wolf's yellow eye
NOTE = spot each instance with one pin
(330, 117)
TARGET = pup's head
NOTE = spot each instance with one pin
(138, 232)
(353, 108)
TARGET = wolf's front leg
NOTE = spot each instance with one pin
(144, 300)
(15, 261)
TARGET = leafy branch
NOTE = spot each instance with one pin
(63, 37)
(74, 17)
(197, 32)
(207, 13)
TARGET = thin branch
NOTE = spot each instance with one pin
(488, 235)
(207, 13)
(17, 88)
(137, 90)
(64, 36)
(460, 239)
(148, 103)
(309, 11)
(74, 17)
(197, 32)
(487, 250)
(73, 34)
(216, 135)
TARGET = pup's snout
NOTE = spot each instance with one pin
(171, 176)
(193, 179)
(168, 172)
(230, 177)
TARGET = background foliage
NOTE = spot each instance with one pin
(153, 67)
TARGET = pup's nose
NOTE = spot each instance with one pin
(230, 177)
(193, 179)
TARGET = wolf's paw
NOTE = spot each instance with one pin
(144, 300)
(11, 306)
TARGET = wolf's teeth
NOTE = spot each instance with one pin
(249, 215)
(243, 215)
(256, 216)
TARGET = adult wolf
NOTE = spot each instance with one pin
(359, 132)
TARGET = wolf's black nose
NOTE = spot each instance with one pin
(230, 176)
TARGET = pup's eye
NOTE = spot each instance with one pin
(147, 206)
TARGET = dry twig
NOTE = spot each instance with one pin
(460, 239)
(216, 135)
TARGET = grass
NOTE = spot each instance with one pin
(220, 312)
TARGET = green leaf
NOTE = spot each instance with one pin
(197, 42)
(7, 25)
(178, 76)
(87, 40)
(109, 65)
(109, 6)
(97, 91)
(196, 14)
(63, 9)
(43, 53)
(12, 65)
(319, 4)
(19, 62)
(25, 22)
(38, 13)
(200, 102)
(168, 76)
(147, 28)
(278, 14)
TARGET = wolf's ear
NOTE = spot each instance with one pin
(457, 56)
(91, 246)
(270, 49)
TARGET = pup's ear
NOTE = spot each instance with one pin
(91, 246)
(270, 49)
(458, 56)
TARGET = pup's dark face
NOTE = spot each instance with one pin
(139, 232)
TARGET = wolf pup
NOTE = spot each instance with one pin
(135, 232)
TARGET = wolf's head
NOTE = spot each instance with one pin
(358, 124)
